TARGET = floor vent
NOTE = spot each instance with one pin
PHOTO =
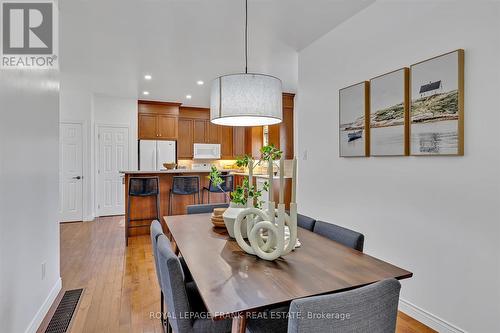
(62, 317)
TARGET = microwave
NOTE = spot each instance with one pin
(206, 151)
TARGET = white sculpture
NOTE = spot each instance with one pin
(272, 244)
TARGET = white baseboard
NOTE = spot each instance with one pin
(88, 218)
(427, 318)
(37, 320)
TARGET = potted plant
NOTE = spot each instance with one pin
(244, 195)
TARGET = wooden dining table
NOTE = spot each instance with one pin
(234, 283)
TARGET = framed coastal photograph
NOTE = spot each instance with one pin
(389, 104)
(354, 136)
(437, 105)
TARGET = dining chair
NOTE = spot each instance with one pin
(347, 237)
(304, 221)
(205, 208)
(373, 308)
(155, 231)
(182, 299)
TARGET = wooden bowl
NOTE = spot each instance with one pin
(218, 223)
(219, 211)
(169, 166)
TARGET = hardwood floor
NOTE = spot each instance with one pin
(121, 288)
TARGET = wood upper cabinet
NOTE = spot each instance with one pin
(214, 133)
(185, 139)
(158, 120)
(254, 140)
(147, 127)
(226, 142)
(199, 131)
(238, 141)
(167, 127)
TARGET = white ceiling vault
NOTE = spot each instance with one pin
(109, 45)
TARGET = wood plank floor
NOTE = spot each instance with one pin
(121, 288)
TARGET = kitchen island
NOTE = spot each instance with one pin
(143, 208)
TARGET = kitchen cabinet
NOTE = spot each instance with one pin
(185, 139)
(254, 140)
(199, 131)
(157, 120)
(281, 135)
(214, 133)
(238, 141)
(147, 127)
(226, 142)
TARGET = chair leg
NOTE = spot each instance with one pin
(208, 196)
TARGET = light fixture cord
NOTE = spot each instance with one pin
(246, 36)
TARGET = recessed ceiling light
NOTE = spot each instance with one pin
(188, 96)
(200, 82)
(145, 92)
(148, 77)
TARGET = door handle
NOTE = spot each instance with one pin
(77, 177)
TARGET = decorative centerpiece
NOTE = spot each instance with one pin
(264, 227)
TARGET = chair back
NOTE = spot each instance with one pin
(184, 185)
(173, 287)
(143, 186)
(205, 208)
(340, 234)
(227, 184)
(155, 231)
(305, 222)
(373, 308)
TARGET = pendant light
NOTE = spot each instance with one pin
(246, 99)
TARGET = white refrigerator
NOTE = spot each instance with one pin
(153, 153)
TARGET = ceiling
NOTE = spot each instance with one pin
(109, 45)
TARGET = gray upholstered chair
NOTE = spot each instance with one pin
(339, 234)
(177, 295)
(305, 222)
(155, 231)
(373, 309)
(205, 208)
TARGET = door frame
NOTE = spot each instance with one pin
(97, 161)
(85, 177)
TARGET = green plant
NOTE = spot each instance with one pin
(244, 191)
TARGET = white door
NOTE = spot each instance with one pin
(113, 157)
(71, 172)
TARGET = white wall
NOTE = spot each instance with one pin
(438, 217)
(79, 104)
(29, 235)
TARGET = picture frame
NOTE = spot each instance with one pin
(437, 105)
(389, 113)
(354, 129)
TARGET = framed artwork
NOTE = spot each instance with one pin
(354, 129)
(389, 105)
(437, 105)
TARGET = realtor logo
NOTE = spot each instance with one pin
(28, 29)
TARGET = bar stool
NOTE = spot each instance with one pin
(142, 187)
(184, 185)
(227, 185)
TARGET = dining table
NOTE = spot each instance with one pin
(235, 284)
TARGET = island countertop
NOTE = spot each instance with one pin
(174, 171)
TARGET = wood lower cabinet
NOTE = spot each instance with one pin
(185, 139)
